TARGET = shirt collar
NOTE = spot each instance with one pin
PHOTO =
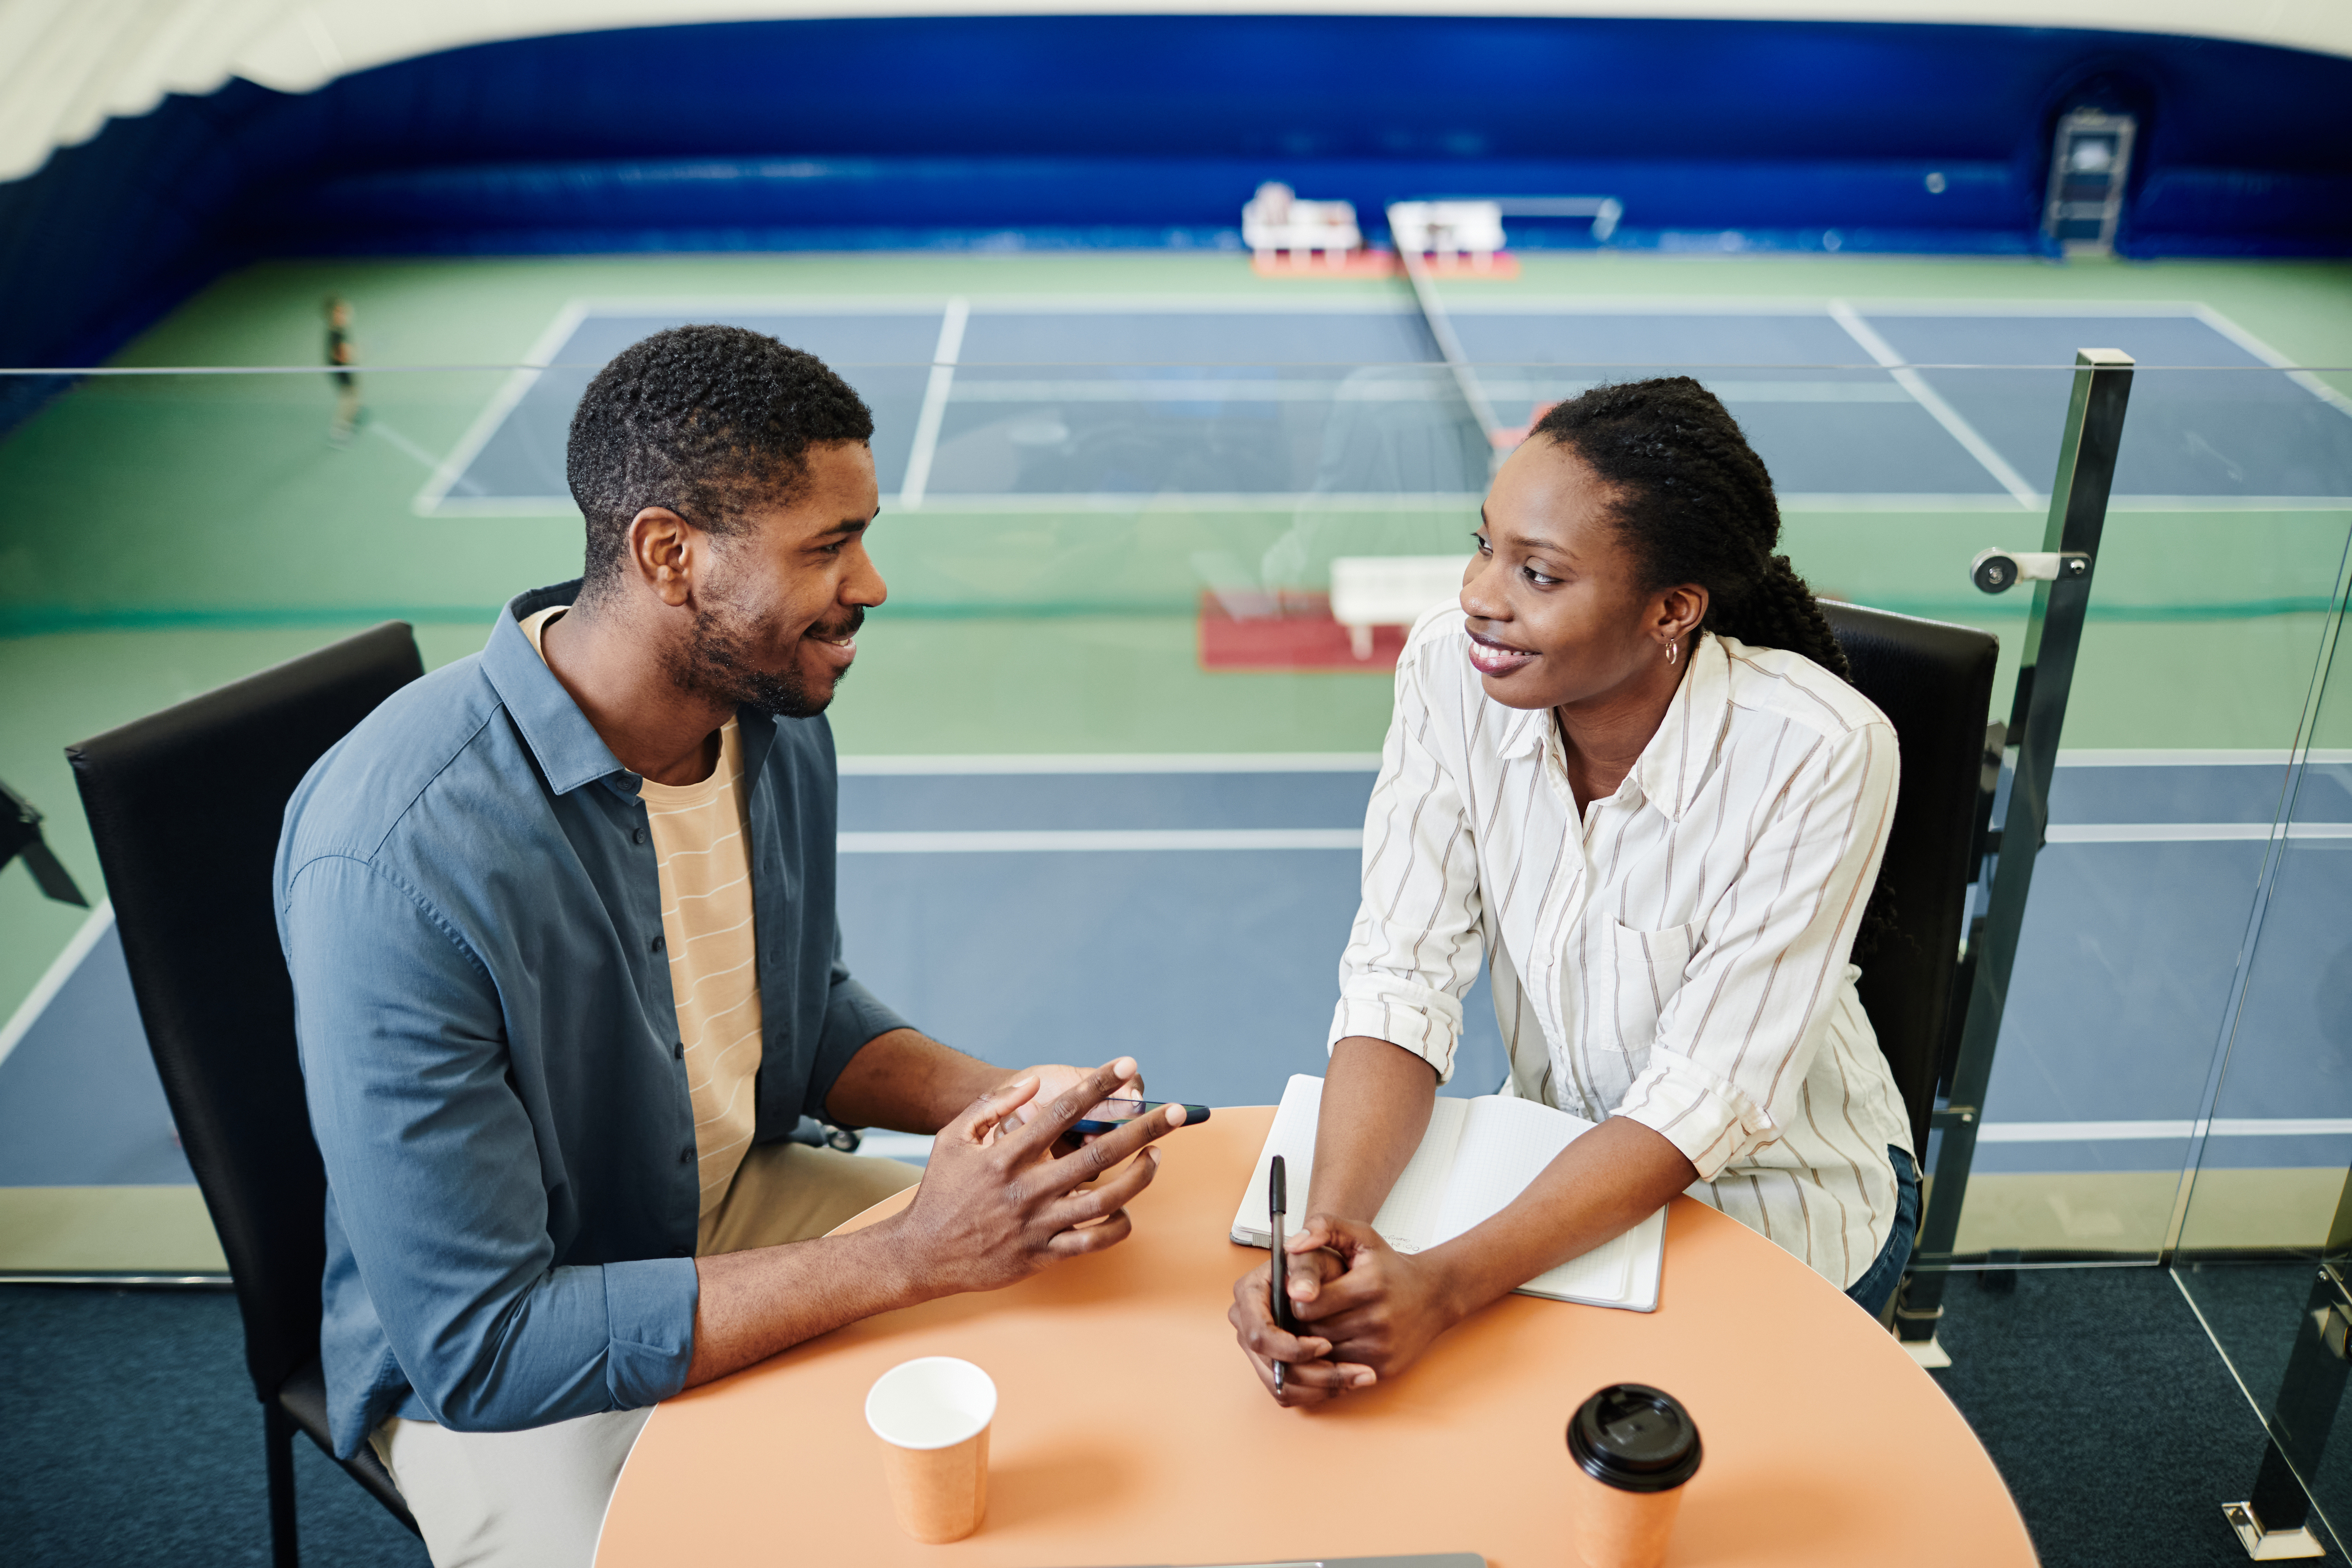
(1523, 732)
(568, 749)
(1679, 757)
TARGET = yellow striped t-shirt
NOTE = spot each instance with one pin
(702, 839)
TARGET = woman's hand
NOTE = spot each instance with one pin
(1366, 1311)
(1310, 1376)
(1380, 1308)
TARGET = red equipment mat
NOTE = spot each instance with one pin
(1293, 631)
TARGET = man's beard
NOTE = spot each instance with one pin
(716, 663)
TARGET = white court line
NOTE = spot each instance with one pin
(1121, 840)
(1378, 299)
(2188, 832)
(1118, 762)
(1172, 389)
(2091, 757)
(1386, 303)
(700, 306)
(935, 403)
(1928, 398)
(432, 463)
(1127, 504)
(947, 764)
(2272, 357)
(53, 979)
(1821, 500)
(1924, 502)
(911, 1146)
(493, 413)
(886, 1145)
(1285, 503)
(1449, 344)
(435, 499)
(1100, 841)
(501, 506)
(2127, 1131)
(1484, 304)
(1112, 840)
(2088, 308)
(1373, 500)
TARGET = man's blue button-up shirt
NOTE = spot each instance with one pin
(468, 900)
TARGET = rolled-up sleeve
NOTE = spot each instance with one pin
(435, 1177)
(1416, 947)
(1736, 1040)
(853, 1016)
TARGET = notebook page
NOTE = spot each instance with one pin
(1643, 1248)
(1600, 1275)
(1292, 1136)
(1505, 1146)
(1408, 1220)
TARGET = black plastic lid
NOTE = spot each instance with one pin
(1635, 1438)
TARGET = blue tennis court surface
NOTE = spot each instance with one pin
(1191, 912)
(982, 402)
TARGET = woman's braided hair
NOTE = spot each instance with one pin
(1695, 505)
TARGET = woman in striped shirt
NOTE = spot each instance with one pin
(1628, 773)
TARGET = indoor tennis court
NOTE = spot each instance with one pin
(1069, 476)
(1192, 340)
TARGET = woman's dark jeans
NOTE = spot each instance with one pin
(1872, 1290)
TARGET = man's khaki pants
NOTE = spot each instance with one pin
(536, 1498)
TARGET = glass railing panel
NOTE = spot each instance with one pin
(2226, 526)
(1092, 551)
(2265, 1227)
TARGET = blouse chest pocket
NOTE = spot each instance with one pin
(1648, 970)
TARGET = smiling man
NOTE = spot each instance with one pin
(559, 917)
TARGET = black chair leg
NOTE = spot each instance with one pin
(278, 1446)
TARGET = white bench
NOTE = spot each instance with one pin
(1369, 591)
(1276, 220)
(1474, 229)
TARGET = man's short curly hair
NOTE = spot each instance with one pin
(704, 420)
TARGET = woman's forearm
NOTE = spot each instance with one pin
(1597, 1188)
(1376, 1103)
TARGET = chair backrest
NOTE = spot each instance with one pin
(1934, 682)
(185, 805)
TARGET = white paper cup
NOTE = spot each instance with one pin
(932, 1416)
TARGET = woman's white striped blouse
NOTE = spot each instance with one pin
(1679, 955)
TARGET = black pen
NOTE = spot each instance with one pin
(1278, 1299)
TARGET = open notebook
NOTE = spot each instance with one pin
(1477, 1156)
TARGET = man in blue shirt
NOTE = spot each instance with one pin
(538, 1221)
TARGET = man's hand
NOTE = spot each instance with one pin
(997, 1204)
(908, 1082)
(1054, 1080)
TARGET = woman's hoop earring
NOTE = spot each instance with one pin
(1670, 653)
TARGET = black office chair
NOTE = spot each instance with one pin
(185, 805)
(1934, 683)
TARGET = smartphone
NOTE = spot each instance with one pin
(1110, 1114)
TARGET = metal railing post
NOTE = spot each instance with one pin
(2045, 676)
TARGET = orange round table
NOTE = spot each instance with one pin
(1129, 1430)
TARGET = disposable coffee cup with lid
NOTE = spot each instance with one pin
(1633, 1446)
